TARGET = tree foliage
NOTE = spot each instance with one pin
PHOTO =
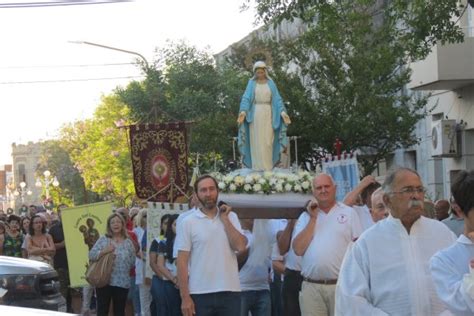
(353, 59)
(100, 151)
(71, 189)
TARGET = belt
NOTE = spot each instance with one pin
(325, 282)
(292, 272)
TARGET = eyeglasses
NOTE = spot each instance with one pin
(410, 191)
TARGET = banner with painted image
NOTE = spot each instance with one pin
(345, 172)
(83, 225)
(159, 161)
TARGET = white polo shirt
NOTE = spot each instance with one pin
(212, 262)
(179, 224)
(334, 231)
(364, 216)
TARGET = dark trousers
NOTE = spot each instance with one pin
(172, 299)
(258, 303)
(275, 292)
(290, 293)
(118, 296)
(63, 275)
(217, 304)
(158, 296)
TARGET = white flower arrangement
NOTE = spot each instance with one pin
(265, 182)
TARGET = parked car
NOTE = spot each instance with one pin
(29, 283)
(23, 311)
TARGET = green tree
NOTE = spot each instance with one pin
(353, 58)
(71, 189)
(193, 89)
(100, 151)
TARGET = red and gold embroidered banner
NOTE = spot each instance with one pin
(159, 159)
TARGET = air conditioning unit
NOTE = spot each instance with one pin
(444, 139)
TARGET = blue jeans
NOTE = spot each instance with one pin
(158, 294)
(217, 304)
(172, 299)
(258, 303)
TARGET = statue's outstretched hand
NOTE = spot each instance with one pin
(286, 118)
(241, 118)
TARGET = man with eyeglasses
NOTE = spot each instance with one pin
(452, 268)
(386, 271)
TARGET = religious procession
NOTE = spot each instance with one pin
(379, 249)
(319, 166)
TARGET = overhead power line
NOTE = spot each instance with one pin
(67, 80)
(67, 66)
(53, 3)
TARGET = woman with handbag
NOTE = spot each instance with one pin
(116, 241)
(39, 244)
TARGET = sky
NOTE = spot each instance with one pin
(46, 81)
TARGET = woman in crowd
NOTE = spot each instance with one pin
(2, 235)
(166, 265)
(13, 238)
(157, 289)
(116, 240)
(25, 227)
(39, 244)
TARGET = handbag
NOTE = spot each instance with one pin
(99, 271)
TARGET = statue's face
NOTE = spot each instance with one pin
(260, 74)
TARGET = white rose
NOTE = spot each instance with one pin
(232, 187)
(262, 181)
(305, 185)
(221, 185)
(239, 180)
(279, 187)
(288, 187)
(228, 179)
(247, 187)
(256, 177)
(272, 181)
(257, 187)
(249, 179)
(297, 188)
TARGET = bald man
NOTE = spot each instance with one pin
(322, 235)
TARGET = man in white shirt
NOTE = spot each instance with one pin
(253, 275)
(363, 191)
(451, 267)
(323, 234)
(385, 272)
(210, 238)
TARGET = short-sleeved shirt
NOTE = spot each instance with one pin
(60, 258)
(212, 262)
(159, 247)
(124, 260)
(12, 245)
(334, 232)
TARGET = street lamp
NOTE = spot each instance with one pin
(47, 181)
(22, 191)
(117, 49)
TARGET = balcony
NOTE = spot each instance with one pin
(447, 67)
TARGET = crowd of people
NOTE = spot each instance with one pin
(381, 251)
